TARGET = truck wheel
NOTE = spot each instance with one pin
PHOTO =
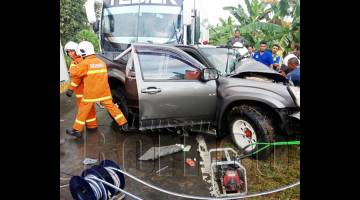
(119, 98)
(248, 125)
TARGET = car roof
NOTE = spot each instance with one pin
(197, 46)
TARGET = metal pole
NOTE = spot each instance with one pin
(193, 25)
(185, 34)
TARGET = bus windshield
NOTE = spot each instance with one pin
(141, 23)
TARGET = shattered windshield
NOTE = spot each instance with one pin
(222, 58)
(141, 23)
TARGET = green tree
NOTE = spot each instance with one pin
(221, 33)
(252, 26)
(256, 12)
(257, 24)
(72, 19)
(87, 35)
(291, 30)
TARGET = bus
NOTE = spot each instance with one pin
(122, 22)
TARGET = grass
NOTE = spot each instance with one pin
(281, 169)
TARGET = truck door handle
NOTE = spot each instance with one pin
(151, 90)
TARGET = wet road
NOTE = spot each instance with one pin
(124, 149)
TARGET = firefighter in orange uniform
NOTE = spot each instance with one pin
(93, 72)
(77, 85)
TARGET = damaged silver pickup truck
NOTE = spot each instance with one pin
(185, 88)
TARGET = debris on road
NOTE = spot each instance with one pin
(89, 161)
(156, 152)
(187, 148)
(64, 179)
(190, 162)
(64, 186)
(161, 169)
(62, 141)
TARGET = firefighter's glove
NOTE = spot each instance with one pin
(69, 93)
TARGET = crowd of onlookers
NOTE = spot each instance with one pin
(286, 63)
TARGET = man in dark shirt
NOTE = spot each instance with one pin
(237, 38)
(294, 71)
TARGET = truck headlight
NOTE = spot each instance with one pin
(295, 93)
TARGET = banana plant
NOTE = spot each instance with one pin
(256, 12)
(221, 33)
(257, 24)
(291, 31)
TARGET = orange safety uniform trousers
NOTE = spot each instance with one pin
(91, 121)
(77, 86)
(86, 107)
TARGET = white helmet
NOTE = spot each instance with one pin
(85, 48)
(288, 57)
(240, 48)
(71, 46)
(238, 45)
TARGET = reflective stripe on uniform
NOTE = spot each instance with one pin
(74, 84)
(79, 96)
(91, 120)
(79, 122)
(98, 99)
(119, 116)
(72, 65)
(98, 71)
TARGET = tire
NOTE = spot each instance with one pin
(119, 98)
(249, 125)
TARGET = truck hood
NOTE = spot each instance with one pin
(265, 91)
(249, 67)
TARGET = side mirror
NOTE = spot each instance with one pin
(208, 74)
(95, 26)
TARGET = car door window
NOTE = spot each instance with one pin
(166, 67)
(128, 58)
(124, 59)
(130, 69)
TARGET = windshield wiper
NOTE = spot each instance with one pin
(175, 32)
(172, 35)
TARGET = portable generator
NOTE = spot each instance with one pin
(228, 176)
